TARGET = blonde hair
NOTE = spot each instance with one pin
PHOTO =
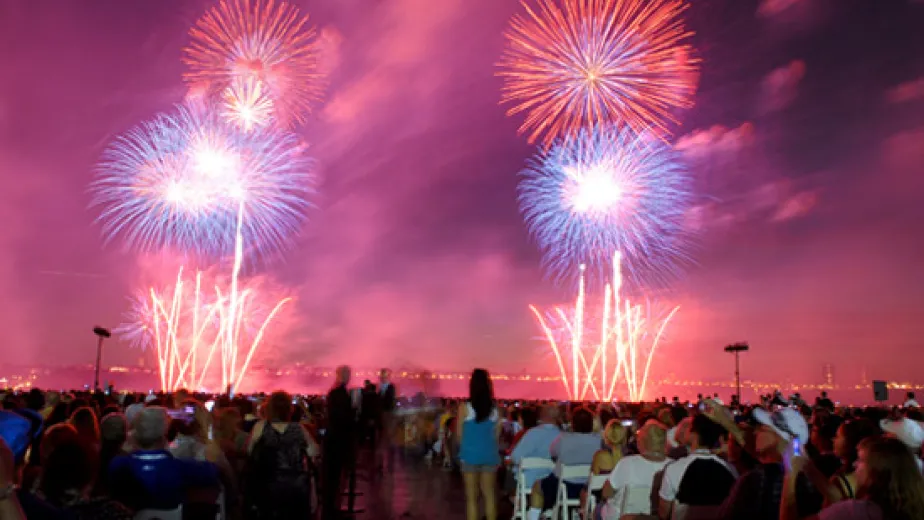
(615, 433)
(652, 438)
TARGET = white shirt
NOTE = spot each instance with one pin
(634, 471)
(911, 403)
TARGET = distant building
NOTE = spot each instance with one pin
(827, 376)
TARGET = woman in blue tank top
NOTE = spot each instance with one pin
(479, 429)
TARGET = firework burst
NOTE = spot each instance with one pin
(600, 351)
(267, 43)
(593, 62)
(200, 334)
(604, 191)
(182, 181)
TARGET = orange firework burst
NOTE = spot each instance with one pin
(591, 62)
(265, 46)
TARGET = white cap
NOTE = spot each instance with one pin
(786, 422)
(909, 432)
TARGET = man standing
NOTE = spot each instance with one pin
(387, 403)
(338, 442)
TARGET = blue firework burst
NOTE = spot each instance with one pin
(188, 181)
(607, 190)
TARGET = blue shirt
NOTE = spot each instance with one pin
(156, 480)
(479, 440)
(575, 449)
(536, 442)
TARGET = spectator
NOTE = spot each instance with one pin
(697, 485)
(150, 477)
(821, 449)
(231, 438)
(113, 434)
(824, 402)
(628, 491)
(911, 433)
(889, 485)
(84, 420)
(529, 419)
(537, 442)
(479, 428)
(911, 402)
(281, 451)
(757, 493)
(572, 448)
(614, 441)
(68, 476)
(339, 441)
(9, 499)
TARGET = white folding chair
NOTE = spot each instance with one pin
(564, 505)
(158, 514)
(595, 484)
(521, 502)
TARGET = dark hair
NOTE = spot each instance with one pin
(708, 432)
(855, 431)
(606, 415)
(530, 417)
(279, 407)
(893, 482)
(35, 400)
(67, 472)
(481, 394)
(679, 413)
(582, 421)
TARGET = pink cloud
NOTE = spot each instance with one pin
(716, 139)
(906, 92)
(780, 87)
(904, 149)
(795, 206)
(770, 8)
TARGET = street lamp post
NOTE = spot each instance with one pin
(737, 348)
(101, 333)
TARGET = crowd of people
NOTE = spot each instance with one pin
(107, 455)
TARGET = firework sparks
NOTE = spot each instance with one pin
(246, 105)
(179, 181)
(604, 191)
(269, 44)
(629, 336)
(196, 330)
(593, 62)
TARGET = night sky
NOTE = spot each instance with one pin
(806, 143)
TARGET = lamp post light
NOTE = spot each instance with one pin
(101, 333)
(737, 348)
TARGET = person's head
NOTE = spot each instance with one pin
(665, 418)
(528, 417)
(888, 475)
(35, 400)
(343, 375)
(848, 438)
(824, 430)
(614, 434)
(56, 435)
(549, 414)
(678, 413)
(704, 434)
(84, 420)
(113, 430)
(582, 421)
(150, 428)
(279, 407)
(68, 473)
(910, 395)
(652, 439)
(229, 422)
(777, 430)
(384, 376)
(481, 394)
